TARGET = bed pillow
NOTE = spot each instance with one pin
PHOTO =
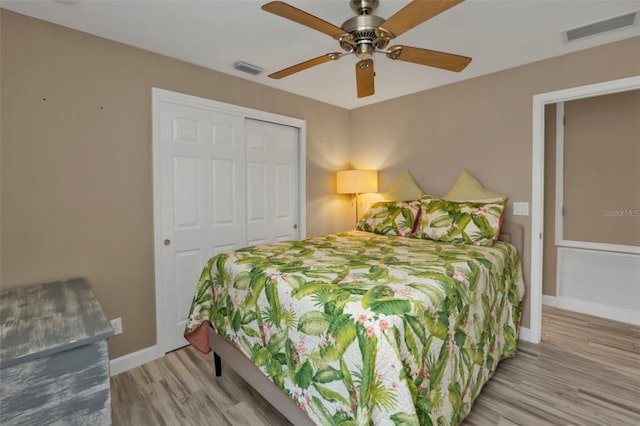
(460, 222)
(391, 218)
(404, 189)
(467, 187)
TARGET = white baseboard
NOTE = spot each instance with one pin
(589, 308)
(526, 335)
(134, 359)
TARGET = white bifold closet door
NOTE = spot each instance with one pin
(226, 182)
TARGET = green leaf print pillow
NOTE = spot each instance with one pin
(391, 218)
(461, 222)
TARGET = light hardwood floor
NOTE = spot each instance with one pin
(585, 372)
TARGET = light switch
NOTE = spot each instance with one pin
(520, 208)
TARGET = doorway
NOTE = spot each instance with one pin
(534, 333)
(592, 231)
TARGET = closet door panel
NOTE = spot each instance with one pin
(272, 182)
(202, 202)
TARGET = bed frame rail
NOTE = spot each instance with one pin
(256, 378)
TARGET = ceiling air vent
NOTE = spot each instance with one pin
(248, 68)
(600, 27)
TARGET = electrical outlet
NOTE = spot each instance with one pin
(117, 326)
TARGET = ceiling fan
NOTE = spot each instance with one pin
(365, 34)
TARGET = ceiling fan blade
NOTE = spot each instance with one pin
(364, 78)
(431, 58)
(301, 17)
(305, 65)
(416, 13)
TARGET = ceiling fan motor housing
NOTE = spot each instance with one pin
(364, 38)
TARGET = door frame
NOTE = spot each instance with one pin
(534, 332)
(161, 95)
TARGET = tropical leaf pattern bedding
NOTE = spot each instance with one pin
(359, 328)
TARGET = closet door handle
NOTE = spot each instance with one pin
(295, 226)
(167, 242)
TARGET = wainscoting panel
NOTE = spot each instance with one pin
(604, 280)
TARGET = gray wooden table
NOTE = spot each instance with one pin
(54, 364)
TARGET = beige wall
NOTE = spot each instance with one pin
(602, 169)
(76, 171)
(483, 124)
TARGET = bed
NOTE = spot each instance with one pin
(362, 328)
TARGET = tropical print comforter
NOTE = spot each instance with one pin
(360, 329)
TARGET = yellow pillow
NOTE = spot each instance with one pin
(405, 189)
(468, 188)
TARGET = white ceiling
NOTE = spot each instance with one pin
(497, 34)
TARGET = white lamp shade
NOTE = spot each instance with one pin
(357, 181)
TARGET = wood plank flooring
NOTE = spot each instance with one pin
(585, 372)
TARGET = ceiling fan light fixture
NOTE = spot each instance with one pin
(364, 51)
